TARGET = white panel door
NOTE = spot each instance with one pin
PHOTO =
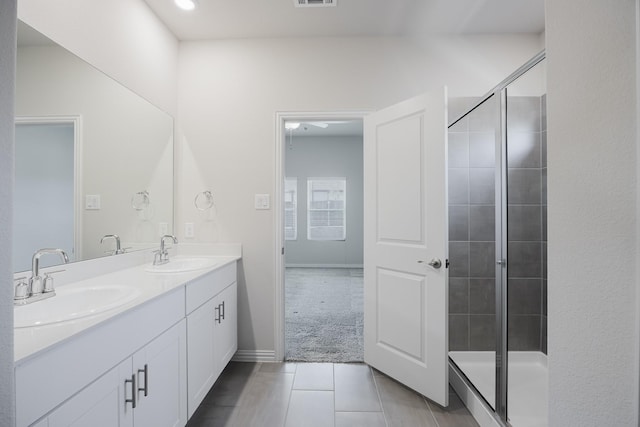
(405, 226)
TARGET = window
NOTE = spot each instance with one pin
(290, 208)
(326, 203)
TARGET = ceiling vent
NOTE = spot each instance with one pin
(315, 3)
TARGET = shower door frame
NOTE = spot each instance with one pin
(501, 294)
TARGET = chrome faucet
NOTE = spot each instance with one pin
(118, 249)
(38, 287)
(162, 256)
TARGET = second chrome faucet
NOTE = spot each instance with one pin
(162, 256)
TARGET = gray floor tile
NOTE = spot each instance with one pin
(314, 376)
(402, 406)
(212, 416)
(454, 415)
(310, 409)
(355, 389)
(288, 368)
(360, 419)
(230, 385)
(265, 401)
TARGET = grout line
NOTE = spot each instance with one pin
(426, 401)
(375, 382)
(286, 415)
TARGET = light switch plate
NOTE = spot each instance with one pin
(92, 202)
(262, 201)
(189, 230)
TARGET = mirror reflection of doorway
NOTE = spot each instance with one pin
(323, 197)
(44, 186)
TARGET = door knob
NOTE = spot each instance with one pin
(435, 263)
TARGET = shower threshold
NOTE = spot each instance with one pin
(527, 393)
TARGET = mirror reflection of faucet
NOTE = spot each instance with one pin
(118, 250)
(38, 287)
(162, 256)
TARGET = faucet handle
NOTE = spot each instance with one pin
(48, 281)
(21, 290)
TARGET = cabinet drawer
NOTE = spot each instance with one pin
(206, 287)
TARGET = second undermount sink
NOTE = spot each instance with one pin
(73, 303)
(181, 264)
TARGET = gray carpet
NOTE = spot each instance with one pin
(324, 315)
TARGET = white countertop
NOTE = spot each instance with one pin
(30, 341)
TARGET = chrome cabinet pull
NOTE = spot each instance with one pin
(222, 310)
(216, 317)
(133, 391)
(146, 379)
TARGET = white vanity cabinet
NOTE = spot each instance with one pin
(212, 330)
(85, 381)
(147, 389)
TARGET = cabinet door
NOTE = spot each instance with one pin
(226, 328)
(101, 404)
(200, 353)
(160, 369)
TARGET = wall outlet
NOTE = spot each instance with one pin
(163, 228)
(262, 201)
(92, 202)
(189, 231)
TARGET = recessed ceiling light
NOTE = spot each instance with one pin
(186, 4)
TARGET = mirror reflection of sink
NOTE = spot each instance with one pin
(73, 303)
(183, 264)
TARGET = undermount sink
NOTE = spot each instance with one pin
(73, 303)
(183, 264)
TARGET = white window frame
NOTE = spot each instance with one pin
(310, 182)
(288, 183)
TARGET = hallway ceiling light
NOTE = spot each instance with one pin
(186, 4)
(291, 125)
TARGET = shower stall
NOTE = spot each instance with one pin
(498, 249)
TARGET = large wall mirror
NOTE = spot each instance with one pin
(92, 158)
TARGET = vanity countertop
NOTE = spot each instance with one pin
(30, 341)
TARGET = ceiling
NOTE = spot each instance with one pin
(215, 19)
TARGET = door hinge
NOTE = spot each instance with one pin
(282, 251)
(446, 263)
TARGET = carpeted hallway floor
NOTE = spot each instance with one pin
(324, 315)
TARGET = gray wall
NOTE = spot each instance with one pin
(7, 81)
(472, 226)
(313, 157)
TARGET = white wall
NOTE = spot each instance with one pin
(229, 92)
(123, 38)
(7, 71)
(316, 157)
(592, 181)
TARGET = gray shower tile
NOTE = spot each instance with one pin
(544, 222)
(524, 259)
(523, 150)
(483, 118)
(482, 189)
(524, 333)
(482, 332)
(524, 113)
(482, 220)
(544, 336)
(458, 186)
(459, 259)
(458, 295)
(524, 222)
(482, 259)
(458, 332)
(459, 105)
(459, 223)
(458, 150)
(482, 296)
(544, 259)
(482, 149)
(543, 112)
(524, 187)
(543, 190)
(525, 296)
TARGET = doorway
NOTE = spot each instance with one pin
(322, 238)
(46, 177)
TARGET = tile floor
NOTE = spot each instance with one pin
(319, 394)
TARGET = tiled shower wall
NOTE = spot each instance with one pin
(472, 225)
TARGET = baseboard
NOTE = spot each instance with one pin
(324, 266)
(255, 356)
(483, 415)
